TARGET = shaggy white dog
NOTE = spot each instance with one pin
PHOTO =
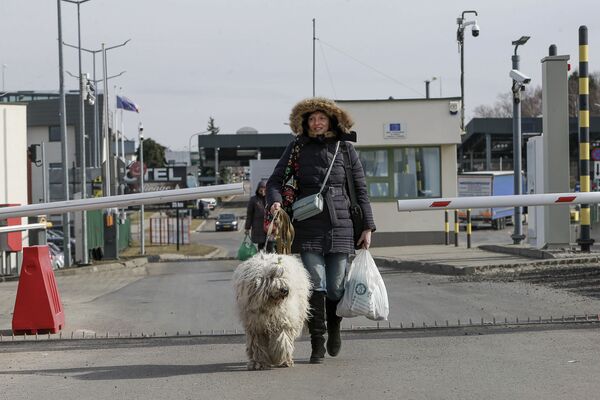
(272, 293)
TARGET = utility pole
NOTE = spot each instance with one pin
(82, 88)
(142, 171)
(314, 39)
(517, 87)
(66, 220)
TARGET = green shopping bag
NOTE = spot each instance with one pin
(247, 249)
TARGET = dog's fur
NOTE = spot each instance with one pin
(272, 293)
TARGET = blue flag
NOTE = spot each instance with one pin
(126, 104)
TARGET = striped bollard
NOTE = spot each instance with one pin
(584, 241)
(446, 228)
(469, 228)
(456, 228)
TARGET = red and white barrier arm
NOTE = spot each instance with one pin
(522, 200)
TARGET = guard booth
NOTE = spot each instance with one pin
(408, 150)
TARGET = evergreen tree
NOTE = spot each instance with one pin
(212, 128)
(154, 154)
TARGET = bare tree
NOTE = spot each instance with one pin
(531, 100)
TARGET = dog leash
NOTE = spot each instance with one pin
(284, 234)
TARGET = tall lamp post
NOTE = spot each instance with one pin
(82, 88)
(66, 218)
(518, 85)
(427, 82)
(190, 145)
(4, 66)
(141, 137)
(460, 37)
(96, 155)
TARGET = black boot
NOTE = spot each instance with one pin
(316, 327)
(334, 339)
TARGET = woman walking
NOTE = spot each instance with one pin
(255, 215)
(326, 239)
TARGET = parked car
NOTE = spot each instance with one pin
(211, 202)
(56, 256)
(56, 237)
(226, 222)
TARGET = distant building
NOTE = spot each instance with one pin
(488, 144)
(43, 125)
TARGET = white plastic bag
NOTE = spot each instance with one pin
(364, 290)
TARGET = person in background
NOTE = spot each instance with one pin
(255, 215)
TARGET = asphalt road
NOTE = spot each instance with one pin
(198, 296)
(460, 364)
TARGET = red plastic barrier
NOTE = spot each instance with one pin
(38, 308)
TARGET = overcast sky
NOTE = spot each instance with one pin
(247, 63)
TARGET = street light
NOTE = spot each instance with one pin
(96, 81)
(84, 249)
(519, 80)
(460, 37)
(66, 218)
(4, 66)
(141, 137)
(427, 82)
(190, 145)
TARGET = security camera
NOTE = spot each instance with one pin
(519, 76)
(475, 30)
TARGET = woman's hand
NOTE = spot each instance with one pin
(365, 239)
(275, 207)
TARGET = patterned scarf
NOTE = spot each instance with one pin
(289, 188)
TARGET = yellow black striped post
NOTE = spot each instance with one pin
(469, 230)
(585, 241)
(446, 228)
(456, 228)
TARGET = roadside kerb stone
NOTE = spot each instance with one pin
(454, 269)
(217, 254)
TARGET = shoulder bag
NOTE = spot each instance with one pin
(312, 205)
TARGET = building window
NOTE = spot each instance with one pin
(402, 172)
(54, 134)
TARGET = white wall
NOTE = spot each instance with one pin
(426, 123)
(13, 154)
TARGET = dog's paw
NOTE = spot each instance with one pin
(255, 366)
(287, 364)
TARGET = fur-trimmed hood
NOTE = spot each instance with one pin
(329, 107)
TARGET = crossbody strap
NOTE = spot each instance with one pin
(349, 178)
(337, 147)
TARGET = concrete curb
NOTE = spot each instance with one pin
(449, 269)
(133, 263)
(217, 254)
(517, 251)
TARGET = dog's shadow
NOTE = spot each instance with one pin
(119, 372)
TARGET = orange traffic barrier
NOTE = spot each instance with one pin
(38, 308)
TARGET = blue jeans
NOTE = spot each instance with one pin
(327, 272)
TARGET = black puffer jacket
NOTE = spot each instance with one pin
(330, 231)
(255, 215)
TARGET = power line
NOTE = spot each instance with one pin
(371, 67)
(328, 71)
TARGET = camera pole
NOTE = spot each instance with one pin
(517, 87)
